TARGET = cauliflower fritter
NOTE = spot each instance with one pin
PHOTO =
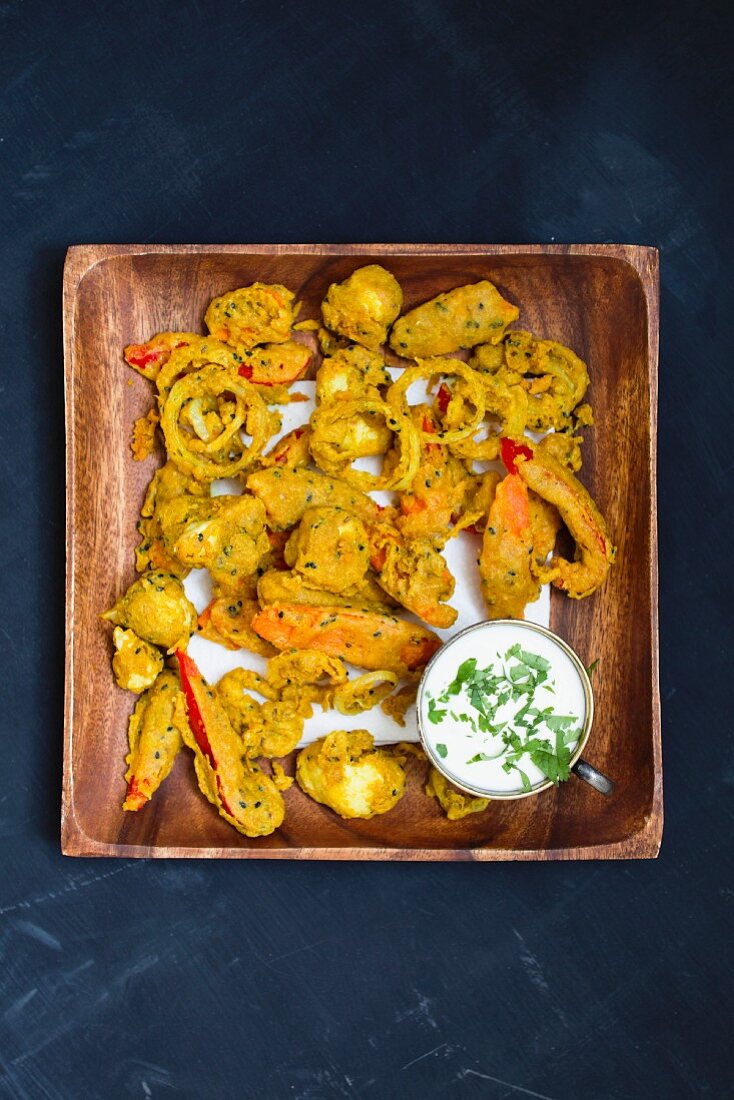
(330, 548)
(135, 663)
(225, 534)
(167, 483)
(364, 306)
(351, 373)
(157, 609)
(347, 773)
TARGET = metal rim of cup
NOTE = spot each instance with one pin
(507, 796)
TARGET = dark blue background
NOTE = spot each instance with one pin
(408, 121)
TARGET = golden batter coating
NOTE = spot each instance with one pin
(261, 313)
(224, 534)
(244, 796)
(287, 494)
(595, 552)
(504, 565)
(347, 773)
(136, 663)
(396, 706)
(156, 608)
(330, 548)
(363, 307)
(227, 621)
(363, 638)
(415, 573)
(455, 803)
(363, 693)
(167, 483)
(268, 729)
(460, 318)
(351, 373)
(285, 586)
(155, 738)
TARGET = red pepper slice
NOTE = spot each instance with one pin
(143, 360)
(189, 671)
(509, 450)
(443, 397)
(245, 370)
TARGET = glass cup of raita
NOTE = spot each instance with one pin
(505, 710)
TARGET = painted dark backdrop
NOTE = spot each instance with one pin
(218, 121)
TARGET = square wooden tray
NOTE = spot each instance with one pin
(602, 300)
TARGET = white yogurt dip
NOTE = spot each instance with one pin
(504, 709)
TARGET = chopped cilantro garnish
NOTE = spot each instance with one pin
(434, 714)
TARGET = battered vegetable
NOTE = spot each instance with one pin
(268, 729)
(287, 494)
(156, 608)
(278, 586)
(147, 359)
(363, 693)
(351, 373)
(415, 573)
(363, 638)
(363, 307)
(228, 621)
(135, 663)
(461, 318)
(330, 548)
(347, 773)
(155, 737)
(439, 489)
(224, 534)
(257, 314)
(241, 792)
(167, 483)
(275, 364)
(202, 426)
(564, 375)
(346, 430)
(455, 803)
(595, 553)
(473, 391)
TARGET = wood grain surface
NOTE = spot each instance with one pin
(602, 300)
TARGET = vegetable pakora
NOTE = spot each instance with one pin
(364, 306)
(460, 318)
(157, 609)
(346, 772)
(155, 735)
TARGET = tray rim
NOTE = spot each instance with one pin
(642, 844)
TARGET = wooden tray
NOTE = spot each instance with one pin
(600, 299)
